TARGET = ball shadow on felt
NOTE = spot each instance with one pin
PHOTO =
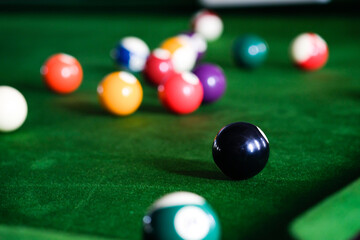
(190, 167)
(81, 105)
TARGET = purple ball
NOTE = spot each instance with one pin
(213, 81)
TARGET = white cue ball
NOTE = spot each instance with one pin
(208, 24)
(13, 109)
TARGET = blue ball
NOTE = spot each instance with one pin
(131, 54)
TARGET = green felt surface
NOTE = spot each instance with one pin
(25, 233)
(74, 168)
(335, 218)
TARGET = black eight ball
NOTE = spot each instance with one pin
(241, 150)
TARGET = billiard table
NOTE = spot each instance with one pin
(74, 171)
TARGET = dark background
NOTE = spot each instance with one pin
(145, 4)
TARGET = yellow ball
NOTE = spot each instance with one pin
(120, 93)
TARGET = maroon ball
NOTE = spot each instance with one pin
(213, 81)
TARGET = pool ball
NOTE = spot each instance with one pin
(62, 73)
(13, 109)
(131, 53)
(213, 81)
(240, 150)
(198, 43)
(158, 66)
(309, 51)
(249, 51)
(181, 216)
(183, 55)
(120, 93)
(181, 93)
(208, 24)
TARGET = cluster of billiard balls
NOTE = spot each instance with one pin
(240, 150)
(168, 67)
(183, 83)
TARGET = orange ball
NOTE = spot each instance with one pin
(120, 93)
(62, 73)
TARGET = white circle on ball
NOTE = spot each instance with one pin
(136, 45)
(139, 52)
(66, 58)
(192, 223)
(177, 198)
(13, 109)
(127, 77)
(190, 78)
(162, 53)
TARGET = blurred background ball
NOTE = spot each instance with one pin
(180, 216)
(131, 53)
(208, 24)
(309, 51)
(183, 55)
(198, 43)
(62, 73)
(158, 66)
(13, 109)
(213, 81)
(250, 51)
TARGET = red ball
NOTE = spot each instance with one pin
(158, 66)
(309, 51)
(62, 73)
(182, 93)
